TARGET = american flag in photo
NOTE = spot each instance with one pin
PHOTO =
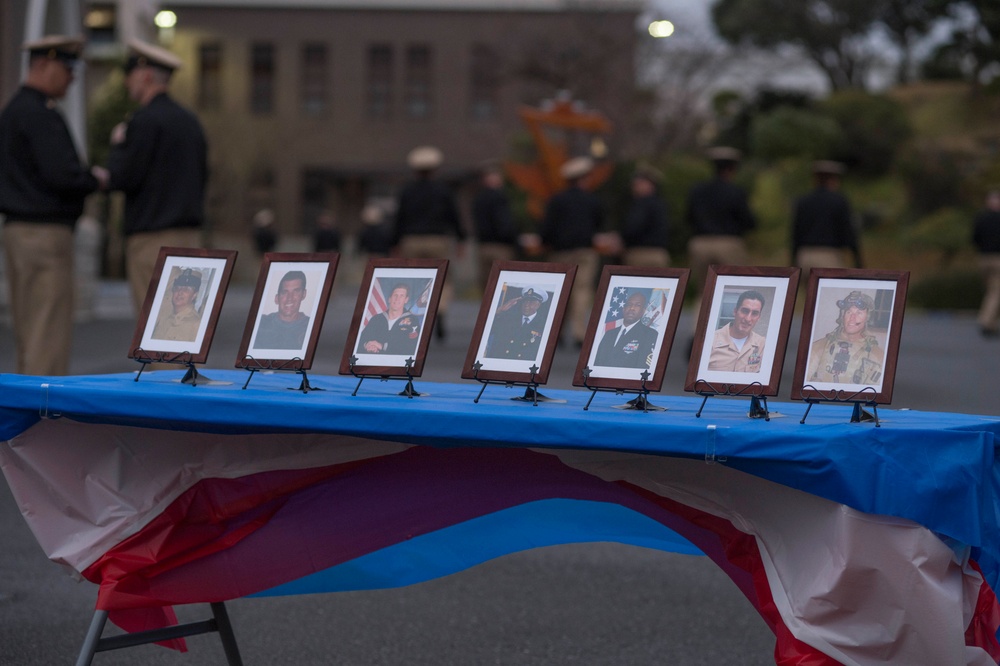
(656, 305)
(376, 302)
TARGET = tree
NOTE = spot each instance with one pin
(905, 22)
(975, 40)
(834, 34)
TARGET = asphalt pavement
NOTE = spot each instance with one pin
(576, 604)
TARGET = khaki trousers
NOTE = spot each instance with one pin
(40, 274)
(809, 257)
(582, 297)
(488, 253)
(141, 252)
(431, 246)
(989, 309)
(704, 251)
(655, 257)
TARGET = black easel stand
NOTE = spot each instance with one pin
(290, 365)
(409, 391)
(858, 414)
(531, 393)
(93, 643)
(640, 402)
(183, 358)
(758, 403)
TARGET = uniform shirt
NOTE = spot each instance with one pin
(426, 207)
(572, 217)
(646, 223)
(841, 361)
(491, 213)
(514, 339)
(276, 333)
(181, 326)
(399, 338)
(626, 349)
(727, 357)
(823, 219)
(161, 167)
(986, 231)
(41, 176)
(719, 208)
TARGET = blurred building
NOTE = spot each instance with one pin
(314, 104)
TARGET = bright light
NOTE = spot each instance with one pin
(167, 19)
(661, 28)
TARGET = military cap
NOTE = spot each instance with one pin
(424, 157)
(858, 299)
(828, 168)
(577, 167)
(647, 172)
(67, 49)
(188, 278)
(536, 293)
(724, 154)
(142, 54)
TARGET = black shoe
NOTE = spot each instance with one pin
(439, 328)
(989, 332)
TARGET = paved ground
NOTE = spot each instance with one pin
(582, 604)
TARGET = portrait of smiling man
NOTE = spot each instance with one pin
(736, 346)
(286, 328)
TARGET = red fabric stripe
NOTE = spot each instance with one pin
(982, 630)
(740, 550)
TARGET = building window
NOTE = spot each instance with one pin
(262, 78)
(100, 23)
(210, 76)
(314, 77)
(379, 100)
(419, 81)
(484, 84)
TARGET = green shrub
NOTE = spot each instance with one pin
(954, 290)
(787, 132)
(873, 127)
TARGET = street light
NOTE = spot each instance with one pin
(165, 19)
(661, 29)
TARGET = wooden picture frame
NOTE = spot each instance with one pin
(287, 311)
(501, 350)
(381, 344)
(838, 361)
(750, 303)
(632, 327)
(177, 327)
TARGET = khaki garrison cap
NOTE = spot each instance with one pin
(142, 54)
(724, 154)
(828, 167)
(425, 157)
(577, 167)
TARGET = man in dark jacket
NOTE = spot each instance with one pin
(42, 188)
(644, 231)
(719, 217)
(986, 237)
(427, 222)
(572, 218)
(631, 344)
(159, 160)
(496, 234)
(822, 232)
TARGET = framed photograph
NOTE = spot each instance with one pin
(632, 327)
(287, 311)
(394, 317)
(742, 331)
(182, 305)
(850, 335)
(519, 321)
